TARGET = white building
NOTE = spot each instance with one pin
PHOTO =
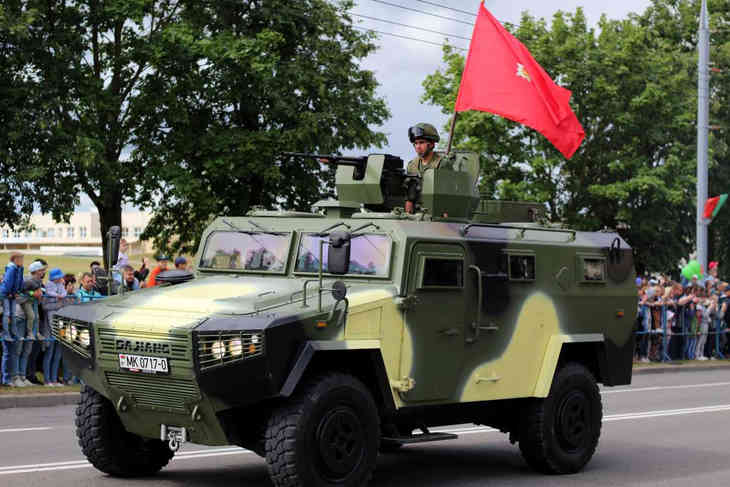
(83, 230)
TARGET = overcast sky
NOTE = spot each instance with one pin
(401, 65)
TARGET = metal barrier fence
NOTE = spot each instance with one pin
(661, 342)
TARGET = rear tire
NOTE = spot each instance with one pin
(327, 434)
(111, 448)
(560, 433)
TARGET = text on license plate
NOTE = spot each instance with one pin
(140, 363)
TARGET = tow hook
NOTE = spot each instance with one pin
(175, 436)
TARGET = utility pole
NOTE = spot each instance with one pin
(703, 130)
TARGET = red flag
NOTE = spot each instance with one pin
(502, 77)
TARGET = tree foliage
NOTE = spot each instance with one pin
(180, 107)
(634, 84)
(269, 77)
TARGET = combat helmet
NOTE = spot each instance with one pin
(423, 131)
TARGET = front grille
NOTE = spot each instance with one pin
(179, 343)
(155, 392)
(221, 348)
(78, 335)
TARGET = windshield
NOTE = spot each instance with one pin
(260, 252)
(369, 255)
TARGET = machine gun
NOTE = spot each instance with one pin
(358, 163)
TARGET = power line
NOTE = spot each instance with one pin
(407, 37)
(447, 8)
(423, 13)
(411, 27)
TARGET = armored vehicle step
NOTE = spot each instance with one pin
(412, 439)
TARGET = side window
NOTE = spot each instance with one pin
(592, 269)
(442, 273)
(522, 267)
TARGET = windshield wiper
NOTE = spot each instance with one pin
(259, 229)
(326, 231)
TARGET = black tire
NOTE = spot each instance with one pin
(327, 434)
(109, 447)
(560, 433)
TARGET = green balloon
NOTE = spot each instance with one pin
(692, 269)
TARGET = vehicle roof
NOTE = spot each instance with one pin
(444, 231)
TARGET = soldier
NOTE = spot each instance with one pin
(424, 137)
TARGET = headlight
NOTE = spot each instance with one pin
(74, 334)
(85, 338)
(235, 347)
(218, 349)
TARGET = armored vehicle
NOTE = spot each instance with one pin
(320, 339)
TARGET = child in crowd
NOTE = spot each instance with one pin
(10, 288)
(55, 294)
(708, 307)
(27, 300)
(55, 299)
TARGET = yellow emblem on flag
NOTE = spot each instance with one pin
(522, 72)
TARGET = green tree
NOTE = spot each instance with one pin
(181, 107)
(634, 90)
(278, 76)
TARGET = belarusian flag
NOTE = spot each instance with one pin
(713, 205)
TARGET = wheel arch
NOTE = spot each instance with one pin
(363, 359)
(587, 349)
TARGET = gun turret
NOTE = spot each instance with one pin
(379, 183)
(376, 181)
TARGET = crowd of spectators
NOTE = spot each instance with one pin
(682, 320)
(30, 354)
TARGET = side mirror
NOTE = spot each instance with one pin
(338, 256)
(339, 290)
(114, 237)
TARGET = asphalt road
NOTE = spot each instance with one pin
(665, 430)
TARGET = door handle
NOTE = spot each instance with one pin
(451, 332)
(477, 324)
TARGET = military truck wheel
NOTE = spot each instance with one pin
(109, 447)
(327, 434)
(560, 433)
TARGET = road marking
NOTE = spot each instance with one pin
(665, 388)
(466, 430)
(668, 412)
(46, 467)
(19, 430)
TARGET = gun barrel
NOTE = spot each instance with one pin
(329, 159)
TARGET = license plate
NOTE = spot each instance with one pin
(142, 364)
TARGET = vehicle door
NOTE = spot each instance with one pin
(434, 346)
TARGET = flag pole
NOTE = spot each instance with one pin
(703, 117)
(451, 133)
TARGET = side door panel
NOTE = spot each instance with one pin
(433, 344)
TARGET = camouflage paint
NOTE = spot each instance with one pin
(429, 348)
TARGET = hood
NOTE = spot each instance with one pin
(214, 295)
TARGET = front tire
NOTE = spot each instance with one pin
(111, 448)
(327, 434)
(560, 433)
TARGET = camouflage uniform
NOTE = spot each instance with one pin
(418, 167)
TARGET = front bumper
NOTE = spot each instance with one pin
(186, 396)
